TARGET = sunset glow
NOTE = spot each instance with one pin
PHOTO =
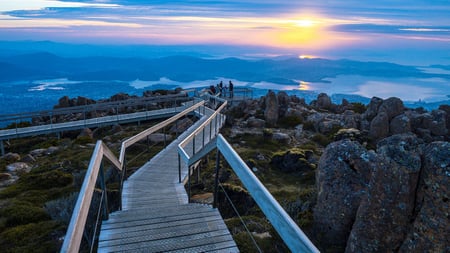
(292, 25)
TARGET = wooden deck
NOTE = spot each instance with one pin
(156, 215)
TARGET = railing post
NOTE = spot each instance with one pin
(216, 179)
(189, 184)
(124, 174)
(210, 129)
(203, 139)
(193, 145)
(179, 168)
(215, 124)
(105, 197)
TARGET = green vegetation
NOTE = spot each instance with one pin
(36, 209)
(359, 107)
(290, 121)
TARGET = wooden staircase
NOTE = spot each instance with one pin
(157, 217)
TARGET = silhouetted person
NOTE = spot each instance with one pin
(231, 89)
(213, 89)
(221, 88)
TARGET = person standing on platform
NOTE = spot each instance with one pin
(221, 89)
(231, 89)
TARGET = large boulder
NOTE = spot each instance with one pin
(400, 124)
(323, 101)
(438, 125)
(283, 103)
(84, 101)
(11, 157)
(392, 107)
(385, 211)
(351, 119)
(379, 127)
(271, 111)
(18, 167)
(372, 108)
(342, 178)
(282, 138)
(430, 230)
(254, 122)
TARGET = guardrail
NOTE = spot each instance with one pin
(288, 230)
(291, 234)
(85, 109)
(80, 212)
(77, 224)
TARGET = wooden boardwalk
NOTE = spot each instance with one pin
(95, 122)
(156, 215)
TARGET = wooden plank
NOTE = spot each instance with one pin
(157, 218)
(162, 233)
(207, 240)
(173, 225)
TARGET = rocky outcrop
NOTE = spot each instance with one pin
(391, 200)
(430, 229)
(385, 211)
(342, 179)
(271, 108)
(69, 102)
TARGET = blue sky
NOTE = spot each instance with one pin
(319, 27)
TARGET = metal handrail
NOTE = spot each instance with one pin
(291, 234)
(75, 230)
(80, 212)
(97, 106)
(181, 147)
(140, 136)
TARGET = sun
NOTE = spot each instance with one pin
(305, 23)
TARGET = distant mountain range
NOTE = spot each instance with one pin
(43, 65)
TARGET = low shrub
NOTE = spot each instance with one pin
(21, 212)
(34, 237)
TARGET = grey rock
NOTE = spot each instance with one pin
(400, 124)
(38, 152)
(384, 213)
(392, 107)
(254, 122)
(323, 101)
(430, 230)
(438, 124)
(379, 127)
(342, 178)
(372, 108)
(28, 159)
(11, 157)
(271, 111)
(18, 167)
(51, 150)
(281, 137)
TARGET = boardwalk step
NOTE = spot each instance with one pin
(156, 215)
